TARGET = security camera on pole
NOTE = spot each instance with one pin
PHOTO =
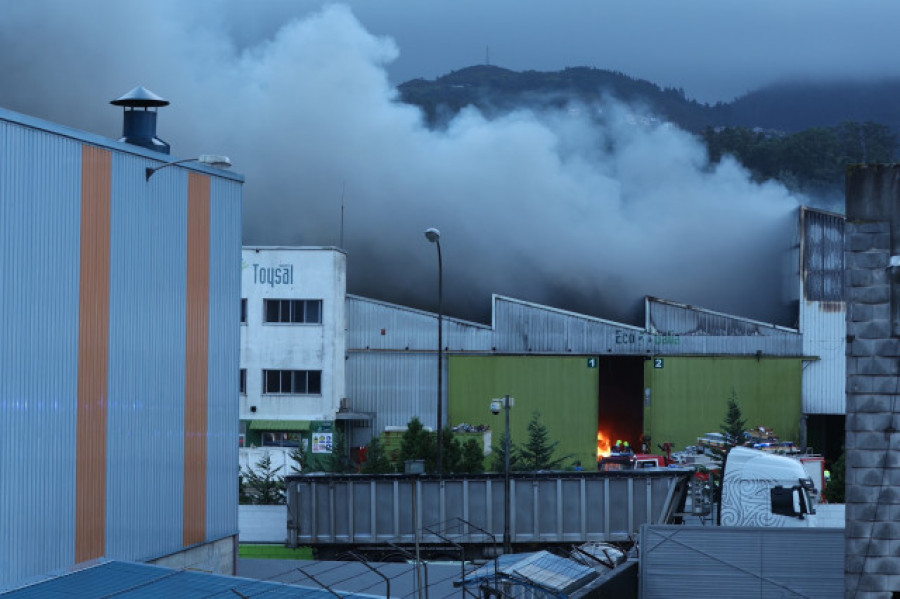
(505, 403)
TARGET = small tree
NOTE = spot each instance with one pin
(377, 461)
(538, 452)
(339, 461)
(499, 456)
(733, 431)
(262, 485)
(834, 489)
(451, 458)
(418, 444)
(472, 461)
(302, 458)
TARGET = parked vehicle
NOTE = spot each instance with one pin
(632, 461)
(760, 488)
(384, 514)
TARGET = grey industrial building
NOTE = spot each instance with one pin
(392, 349)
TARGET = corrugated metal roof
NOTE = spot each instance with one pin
(135, 581)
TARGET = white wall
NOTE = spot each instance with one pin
(313, 273)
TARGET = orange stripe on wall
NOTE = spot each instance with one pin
(196, 375)
(93, 354)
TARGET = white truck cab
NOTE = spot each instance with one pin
(766, 489)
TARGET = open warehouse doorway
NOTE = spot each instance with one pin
(620, 402)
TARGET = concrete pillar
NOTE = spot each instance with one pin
(872, 566)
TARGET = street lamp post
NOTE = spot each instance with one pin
(496, 405)
(434, 236)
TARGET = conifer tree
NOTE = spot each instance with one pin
(538, 452)
(263, 485)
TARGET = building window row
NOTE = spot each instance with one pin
(290, 311)
(292, 382)
(294, 311)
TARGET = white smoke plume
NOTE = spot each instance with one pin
(588, 209)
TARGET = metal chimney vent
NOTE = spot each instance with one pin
(139, 124)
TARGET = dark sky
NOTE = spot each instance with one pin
(588, 214)
(715, 50)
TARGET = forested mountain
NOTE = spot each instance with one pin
(802, 134)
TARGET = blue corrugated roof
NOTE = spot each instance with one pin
(126, 580)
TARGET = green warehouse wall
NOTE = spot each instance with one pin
(689, 396)
(563, 389)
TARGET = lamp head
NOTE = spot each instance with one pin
(432, 235)
(496, 406)
(215, 160)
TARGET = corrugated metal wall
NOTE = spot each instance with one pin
(564, 389)
(93, 351)
(40, 234)
(224, 358)
(672, 329)
(823, 312)
(391, 366)
(686, 562)
(689, 396)
(523, 327)
(146, 410)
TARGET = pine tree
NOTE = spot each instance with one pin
(302, 458)
(377, 461)
(733, 432)
(452, 454)
(499, 456)
(262, 485)
(538, 452)
(418, 444)
(339, 461)
(472, 461)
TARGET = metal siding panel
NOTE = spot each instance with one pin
(408, 329)
(196, 360)
(521, 327)
(688, 396)
(562, 388)
(687, 561)
(147, 361)
(395, 386)
(93, 354)
(824, 336)
(224, 359)
(40, 219)
(823, 313)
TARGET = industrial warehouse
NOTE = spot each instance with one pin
(591, 380)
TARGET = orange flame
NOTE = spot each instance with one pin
(603, 445)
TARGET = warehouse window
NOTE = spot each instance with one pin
(243, 383)
(293, 311)
(243, 310)
(292, 382)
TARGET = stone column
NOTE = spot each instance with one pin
(872, 567)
